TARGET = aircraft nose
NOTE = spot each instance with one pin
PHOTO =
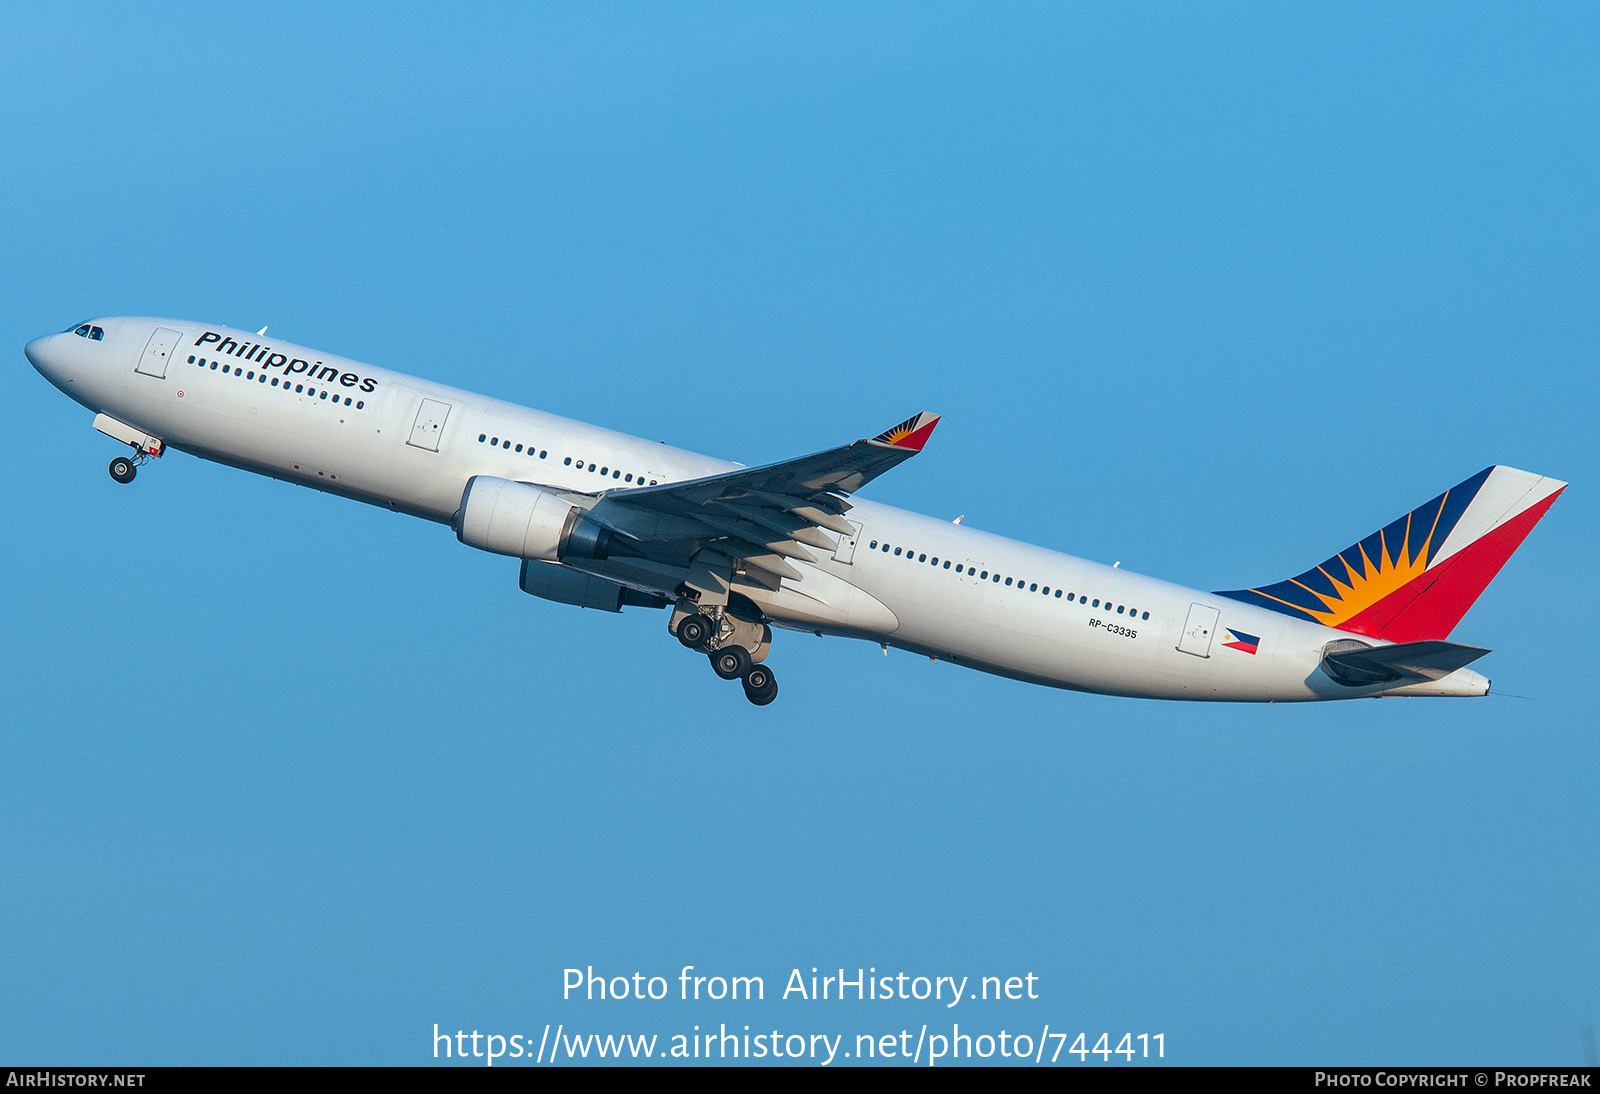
(36, 351)
(52, 359)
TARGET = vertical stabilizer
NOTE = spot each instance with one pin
(1414, 579)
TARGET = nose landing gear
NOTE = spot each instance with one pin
(123, 468)
(144, 446)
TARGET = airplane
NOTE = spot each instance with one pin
(602, 520)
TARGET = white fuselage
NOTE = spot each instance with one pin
(412, 445)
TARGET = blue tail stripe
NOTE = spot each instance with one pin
(1455, 503)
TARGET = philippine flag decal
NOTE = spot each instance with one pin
(1238, 640)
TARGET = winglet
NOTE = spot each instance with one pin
(912, 433)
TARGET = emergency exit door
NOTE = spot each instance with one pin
(846, 551)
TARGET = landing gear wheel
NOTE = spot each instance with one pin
(730, 662)
(122, 469)
(760, 686)
(695, 631)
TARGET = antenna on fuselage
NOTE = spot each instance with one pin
(260, 332)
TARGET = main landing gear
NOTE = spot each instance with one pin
(760, 686)
(734, 646)
(123, 469)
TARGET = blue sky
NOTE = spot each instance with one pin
(1210, 292)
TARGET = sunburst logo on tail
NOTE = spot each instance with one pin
(1366, 572)
(1354, 580)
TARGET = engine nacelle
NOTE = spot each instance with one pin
(513, 518)
(566, 586)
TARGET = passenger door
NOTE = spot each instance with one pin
(157, 351)
(429, 424)
(1198, 630)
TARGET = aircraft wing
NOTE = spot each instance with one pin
(759, 516)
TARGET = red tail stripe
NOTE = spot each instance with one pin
(1431, 605)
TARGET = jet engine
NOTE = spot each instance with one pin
(567, 586)
(513, 518)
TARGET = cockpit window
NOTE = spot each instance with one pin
(87, 331)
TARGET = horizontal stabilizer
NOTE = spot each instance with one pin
(1355, 663)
